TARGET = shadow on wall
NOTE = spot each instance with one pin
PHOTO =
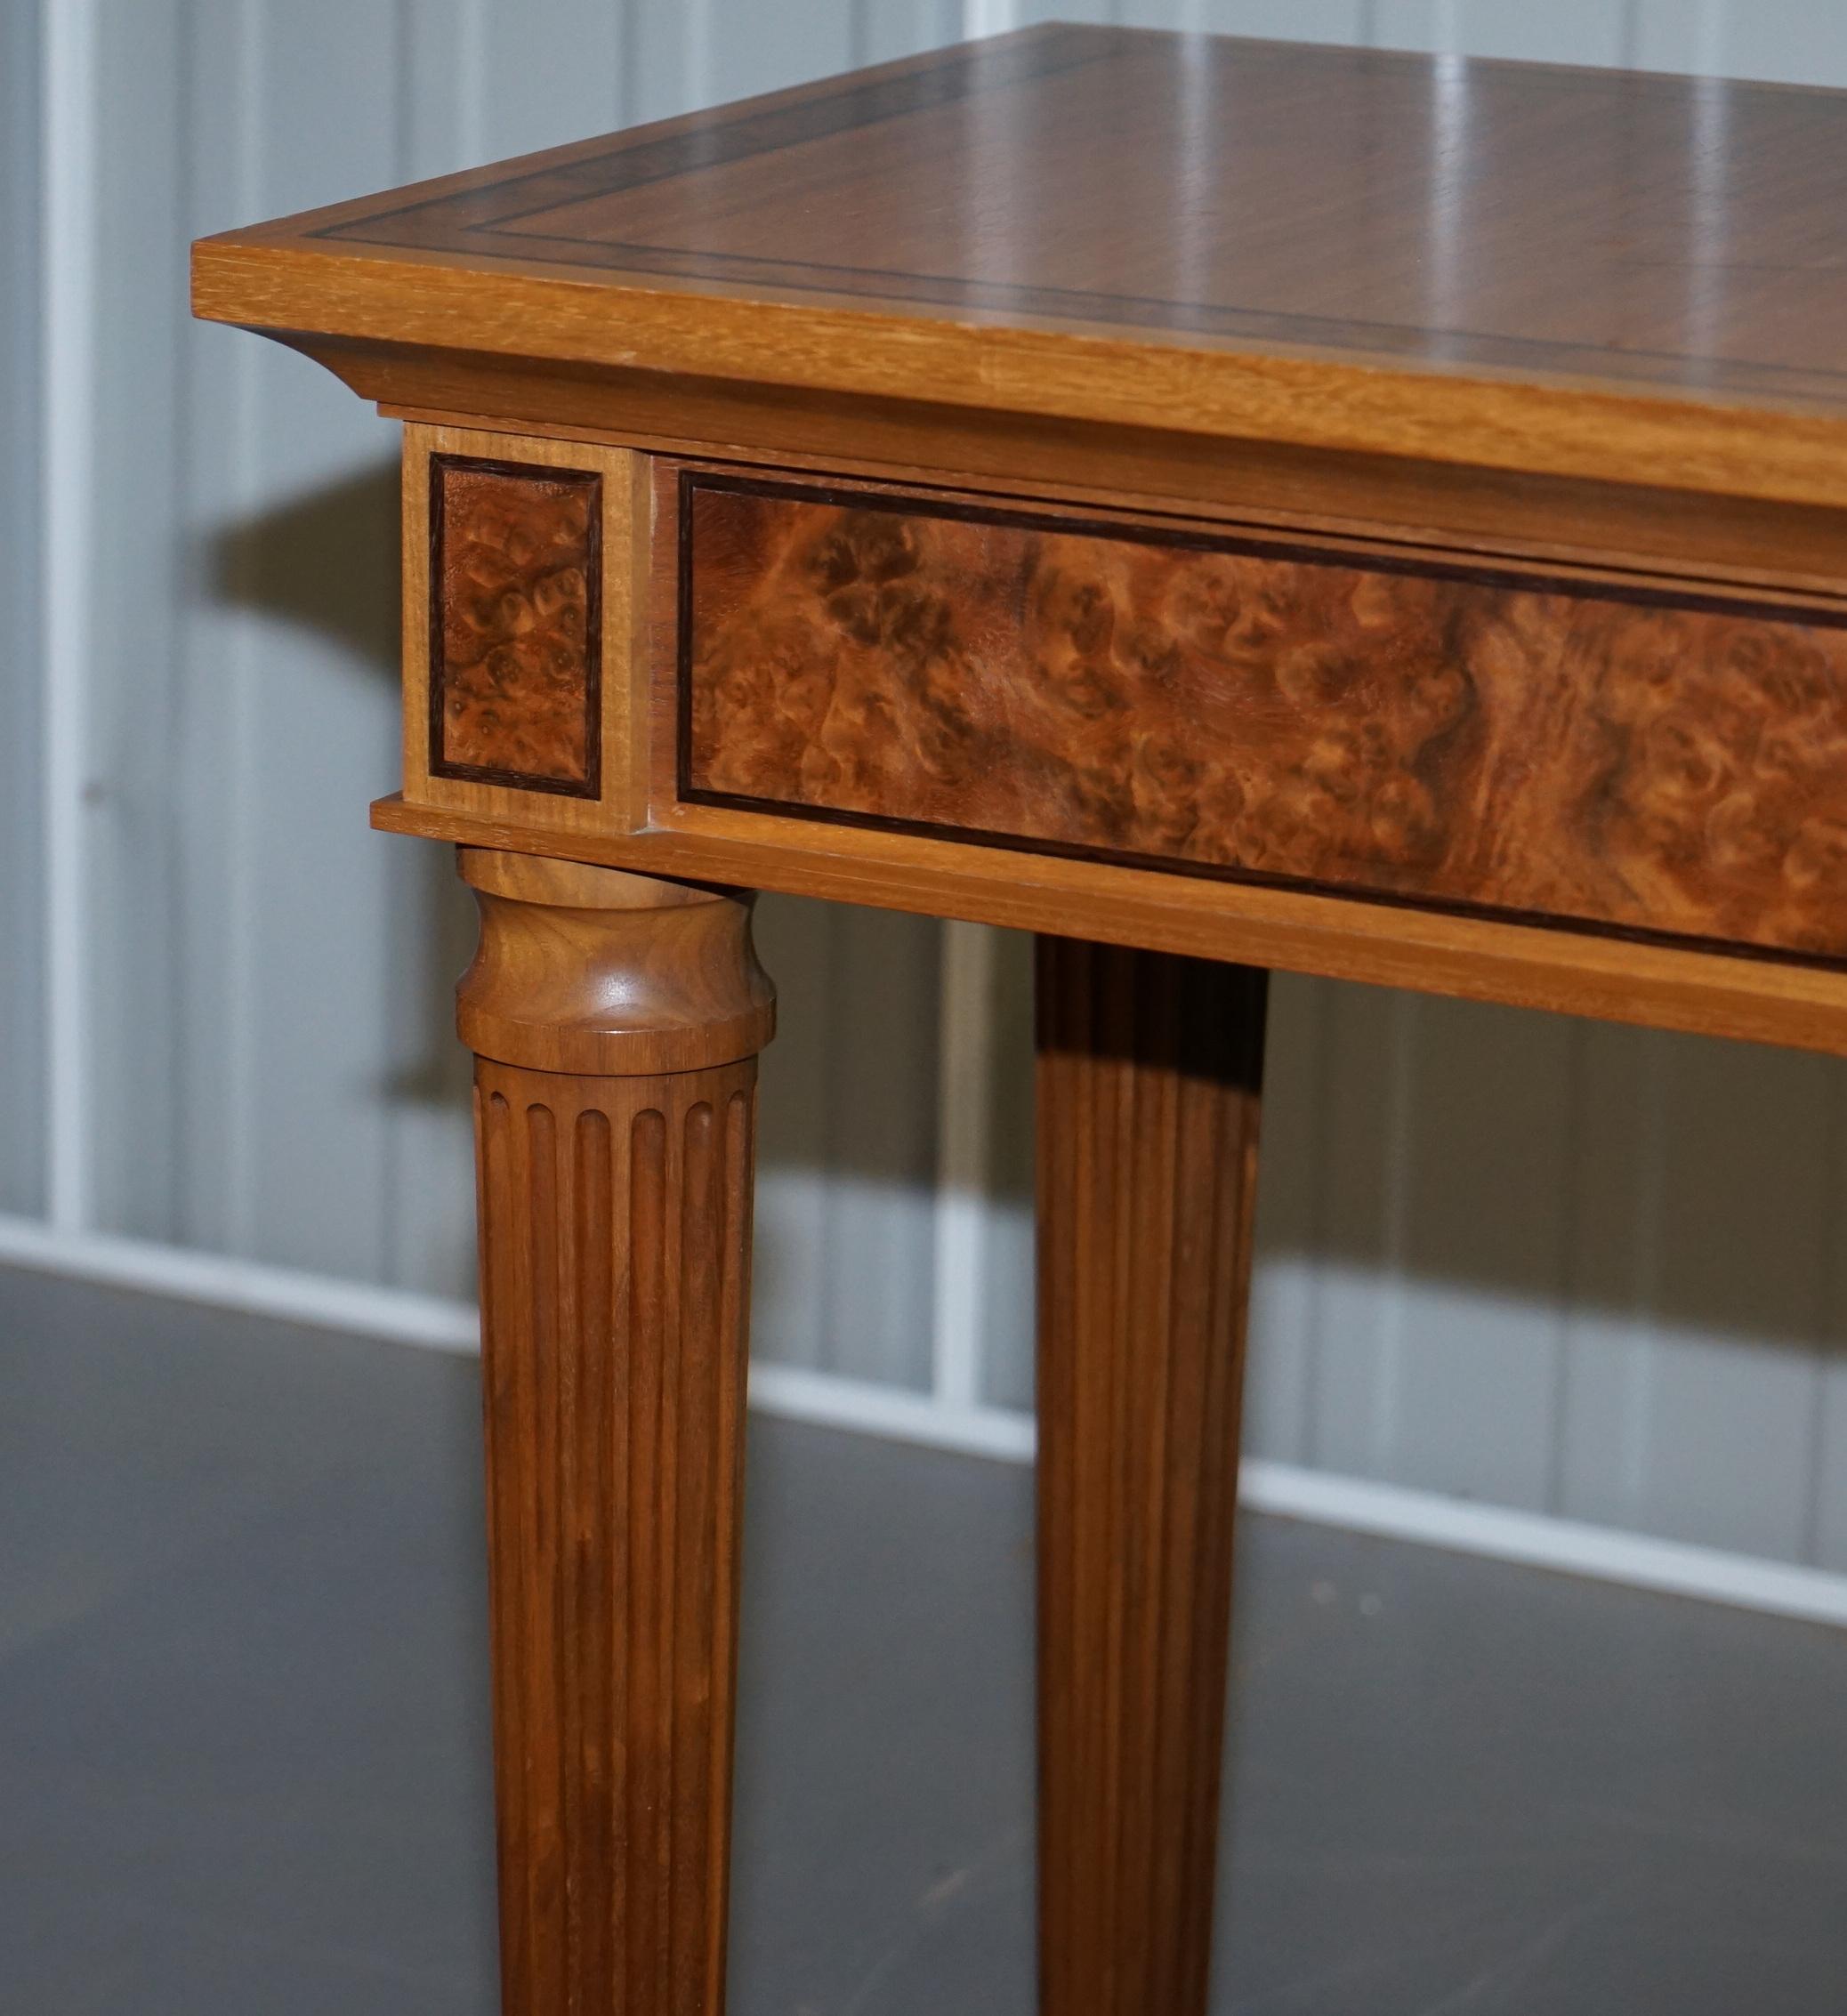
(322, 561)
(325, 561)
(1523, 1156)
(1510, 1156)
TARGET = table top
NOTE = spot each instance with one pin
(1133, 226)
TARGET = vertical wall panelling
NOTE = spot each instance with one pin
(1615, 1239)
(878, 1316)
(983, 1351)
(68, 114)
(982, 1345)
(1487, 1159)
(1679, 35)
(796, 940)
(550, 73)
(1555, 1266)
(1025, 13)
(884, 30)
(1007, 1348)
(990, 17)
(216, 498)
(1562, 31)
(703, 52)
(1279, 1395)
(1287, 20)
(1788, 42)
(1704, 1331)
(751, 47)
(443, 70)
(668, 58)
(964, 1156)
(1828, 1443)
(318, 714)
(848, 1142)
(1748, 1210)
(135, 985)
(23, 920)
(1369, 1087)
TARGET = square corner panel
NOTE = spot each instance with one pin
(519, 554)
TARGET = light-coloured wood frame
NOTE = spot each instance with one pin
(640, 824)
(618, 808)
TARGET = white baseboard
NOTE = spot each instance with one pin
(1537, 1540)
(798, 1394)
(224, 1282)
(894, 1411)
(1357, 1504)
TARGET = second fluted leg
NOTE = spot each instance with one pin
(1149, 1070)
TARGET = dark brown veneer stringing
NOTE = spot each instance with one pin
(477, 219)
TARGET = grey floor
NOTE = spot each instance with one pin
(242, 1726)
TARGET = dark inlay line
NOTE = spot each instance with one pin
(1458, 346)
(722, 141)
(459, 221)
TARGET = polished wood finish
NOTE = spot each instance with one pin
(1474, 958)
(615, 1093)
(1499, 264)
(582, 969)
(520, 654)
(1401, 725)
(1016, 458)
(1379, 516)
(1105, 176)
(1148, 1080)
(1303, 928)
(515, 626)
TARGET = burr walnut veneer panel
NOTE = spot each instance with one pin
(515, 577)
(1619, 755)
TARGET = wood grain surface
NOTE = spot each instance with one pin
(615, 1224)
(1501, 264)
(515, 625)
(1205, 185)
(584, 968)
(1149, 1084)
(1476, 959)
(1646, 759)
(615, 1247)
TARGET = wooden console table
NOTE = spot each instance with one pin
(1220, 505)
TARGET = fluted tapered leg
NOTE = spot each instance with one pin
(614, 1210)
(1148, 1072)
